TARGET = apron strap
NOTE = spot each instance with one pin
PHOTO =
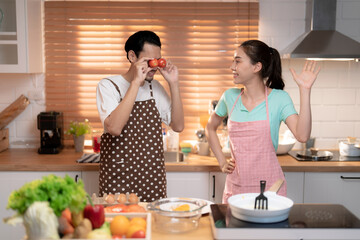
(151, 90)
(267, 106)
(116, 86)
(242, 90)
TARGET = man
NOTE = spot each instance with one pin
(132, 108)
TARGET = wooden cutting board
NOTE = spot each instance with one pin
(13, 110)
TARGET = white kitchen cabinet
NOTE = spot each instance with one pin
(91, 181)
(295, 186)
(188, 184)
(216, 185)
(179, 184)
(21, 36)
(334, 188)
(10, 181)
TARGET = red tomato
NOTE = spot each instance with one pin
(135, 208)
(139, 234)
(162, 63)
(116, 208)
(153, 63)
(117, 237)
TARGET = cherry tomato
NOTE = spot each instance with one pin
(153, 63)
(116, 208)
(139, 234)
(117, 237)
(162, 63)
(134, 208)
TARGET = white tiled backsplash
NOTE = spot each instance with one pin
(335, 96)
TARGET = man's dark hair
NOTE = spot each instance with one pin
(136, 41)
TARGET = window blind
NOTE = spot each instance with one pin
(84, 42)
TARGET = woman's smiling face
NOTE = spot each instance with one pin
(242, 68)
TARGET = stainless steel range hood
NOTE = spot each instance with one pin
(321, 40)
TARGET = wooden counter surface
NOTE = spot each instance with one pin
(30, 160)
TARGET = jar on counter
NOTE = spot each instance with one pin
(96, 138)
(172, 141)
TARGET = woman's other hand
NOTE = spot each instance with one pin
(307, 76)
(229, 166)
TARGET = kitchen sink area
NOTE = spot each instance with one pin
(174, 157)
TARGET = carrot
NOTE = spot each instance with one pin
(66, 214)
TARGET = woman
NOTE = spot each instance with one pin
(255, 114)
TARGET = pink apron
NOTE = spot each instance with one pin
(255, 158)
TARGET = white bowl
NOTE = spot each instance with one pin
(349, 149)
(284, 148)
(242, 207)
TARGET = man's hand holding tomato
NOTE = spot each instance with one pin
(170, 73)
(166, 68)
(142, 69)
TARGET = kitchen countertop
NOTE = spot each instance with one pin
(29, 160)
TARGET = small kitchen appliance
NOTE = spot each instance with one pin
(50, 125)
(305, 221)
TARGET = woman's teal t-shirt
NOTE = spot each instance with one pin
(280, 107)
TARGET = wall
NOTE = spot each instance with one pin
(335, 95)
(23, 130)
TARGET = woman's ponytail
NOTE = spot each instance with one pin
(274, 78)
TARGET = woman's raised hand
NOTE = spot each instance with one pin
(307, 76)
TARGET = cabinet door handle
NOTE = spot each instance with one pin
(213, 195)
(76, 178)
(345, 178)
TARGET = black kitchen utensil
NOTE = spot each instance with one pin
(261, 199)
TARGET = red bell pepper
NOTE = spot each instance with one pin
(95, 213)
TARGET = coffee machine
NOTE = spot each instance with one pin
(51, 129)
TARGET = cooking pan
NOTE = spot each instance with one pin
(242, 206)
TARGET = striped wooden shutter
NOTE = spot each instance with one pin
(84, 42)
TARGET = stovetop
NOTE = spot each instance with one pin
(336, 157)
(300, 216)
(306, 221)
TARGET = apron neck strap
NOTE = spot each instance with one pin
(241, 92)
(151, 91)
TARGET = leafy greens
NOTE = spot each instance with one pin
(59, 192)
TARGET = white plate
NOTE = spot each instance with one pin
(204, 210)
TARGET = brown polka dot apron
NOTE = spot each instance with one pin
(134, 161)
